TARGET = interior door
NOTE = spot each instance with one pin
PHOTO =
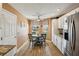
(1, 28)
(9, 28)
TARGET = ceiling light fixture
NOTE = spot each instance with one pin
(38, 16)
(58, 9)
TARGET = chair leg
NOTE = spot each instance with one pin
(44, 43)
(29, 44)
(32, 44)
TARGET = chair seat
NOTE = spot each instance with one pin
(39, 40)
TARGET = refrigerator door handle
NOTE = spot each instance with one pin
(74, 35)
(71, 35)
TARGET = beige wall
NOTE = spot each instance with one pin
(49, 29)
(30, 26)
(22, 32)
(0, 5)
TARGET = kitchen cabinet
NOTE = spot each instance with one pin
(7, 28)
(63, 45)
(59, 42)
(65, 21)
(60, 22)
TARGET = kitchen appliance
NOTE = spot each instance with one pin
(65, 28)
(72, 44)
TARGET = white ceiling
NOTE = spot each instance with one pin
(30, 10)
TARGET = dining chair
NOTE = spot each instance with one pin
(30, 37)
(44, 38)
(39, 40)
(32, 40)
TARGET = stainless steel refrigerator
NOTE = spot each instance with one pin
(72, 46)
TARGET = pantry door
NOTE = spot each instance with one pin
(8, 31)
(1, 28)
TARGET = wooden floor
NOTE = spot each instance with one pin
(48, 50)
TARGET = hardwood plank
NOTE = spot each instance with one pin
(49, 50)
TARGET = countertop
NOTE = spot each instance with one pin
(4, 49)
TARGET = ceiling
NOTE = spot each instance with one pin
(46, 10)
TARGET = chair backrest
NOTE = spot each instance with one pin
(30, 36)
(44, 36)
